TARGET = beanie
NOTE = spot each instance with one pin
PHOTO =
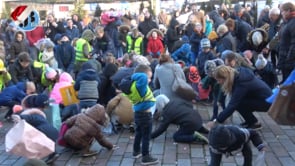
(193, 75)
(37, 101)
(212, 35)
(161, 102)
(205, 43)
(50, 73)
(261, 62)
(221, 137)
(211, 65)
(257, 38)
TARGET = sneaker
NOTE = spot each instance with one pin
(255, 126)
(51, 158)
(136, 155)
(149, 160)
(200, 139)
(88, 153)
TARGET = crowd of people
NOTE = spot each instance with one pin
(124, 65)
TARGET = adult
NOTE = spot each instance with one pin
(172, 35)
(53, 27)
(287, 40)
(247, 94)
(164, 76)
(103, 44)
(33, 36)
(76, 21)
(71, 30)
(226, 41)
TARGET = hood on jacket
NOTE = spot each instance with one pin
(17, 32)
(65, 77)
(97, 113)
(244, 74)
(149, 34)
(173, 24)
(31, 111)
(88, 35)
(124, 27)
(221, 137)
(21, 86)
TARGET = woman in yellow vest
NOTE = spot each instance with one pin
(135, 42)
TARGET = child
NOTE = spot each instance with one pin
(17, 46)
(84, 128)
(183, 52)
(155, 45)
(135, 42)
(4, 76)
(204, 55)
(21, 70)
(229, 140)
(87, 84)
(266, 71)
(137, 90)
(13, 95)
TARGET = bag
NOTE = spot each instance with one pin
(260, 160)
(183, 89)
(282, 109)
(203, 93)
(63, 129)
(68, 95)
(53, 115)
(26, 141)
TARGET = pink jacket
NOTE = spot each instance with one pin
(65, 79)
(105, 18)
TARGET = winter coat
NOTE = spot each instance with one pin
(87, 84)
(104, 45)
(287, 45)
(217, 19)
(155, 46)
(245, 86)
(73, 33)
(13, 93)
(241, 31)
(181, 114)
(268, 75)
(172, 35)
(226, 42)
(121, 107)
(183, 53)
(195, 40)
(17, 47)
(37, 119)
(85, 127)
(147, 25)
(18, 73)
(51, 31)
(65, 56)
(164, 77)
(202, 58)
(65, 79)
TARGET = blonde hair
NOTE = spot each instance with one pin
(227, 74)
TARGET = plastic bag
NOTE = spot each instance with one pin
(260, 160)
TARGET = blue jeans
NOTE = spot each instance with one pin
(143, 129)
(87, 104)
(184, 135)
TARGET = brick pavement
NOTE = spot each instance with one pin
(280, 150)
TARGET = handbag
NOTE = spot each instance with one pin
(282, 109)
(182, 88)
(26, 141)
(63, 129)
(53, 115)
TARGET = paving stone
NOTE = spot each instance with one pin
(287, 161)
(184, 162)
(278, 149)
(271, 159)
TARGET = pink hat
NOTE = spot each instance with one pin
(17, 108)
(50, 73)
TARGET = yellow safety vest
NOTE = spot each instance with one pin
(137, 44)
(79, 50)
(135, 97)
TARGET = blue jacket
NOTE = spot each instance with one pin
(202, 58)
(246, 86)
(73, 33)
(13, 93)
(183, 53)
(65, 56)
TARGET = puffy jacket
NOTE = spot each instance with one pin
(65, 79)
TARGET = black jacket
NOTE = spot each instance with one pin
(179, 113)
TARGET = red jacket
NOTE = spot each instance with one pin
(35, 35)
(155, 45)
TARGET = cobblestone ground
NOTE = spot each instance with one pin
(280, 150)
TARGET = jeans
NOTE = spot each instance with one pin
(87, 104)
(184, 135)
(143, 129)
(248, 106)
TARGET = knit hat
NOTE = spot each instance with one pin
(212, 35)
(257, 38)
(211, 65)
(205, 43)
(37, 101)
(161, 102)
(221, 137)
(260, 62)
(225, 53)
(57, 37)
(193, 75)
(50, 73)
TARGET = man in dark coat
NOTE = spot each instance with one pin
(172, 35)
(53, 27)
(287, 40)
(182, 114)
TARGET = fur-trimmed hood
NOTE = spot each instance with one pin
(31, 111)
(124, 27)
(160, 34)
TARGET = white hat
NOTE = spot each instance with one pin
(261, 62)
(161, 101)
(257, 38)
